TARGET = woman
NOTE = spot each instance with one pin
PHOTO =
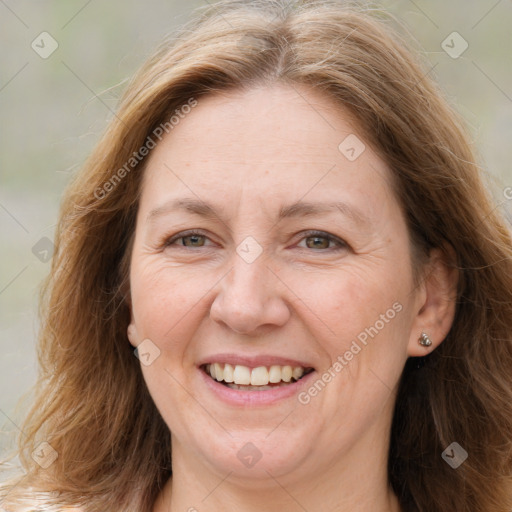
(285, 224)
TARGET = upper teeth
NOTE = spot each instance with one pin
(260, 376)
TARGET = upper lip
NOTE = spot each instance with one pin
(253, 361)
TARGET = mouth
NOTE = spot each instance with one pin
(261, 378)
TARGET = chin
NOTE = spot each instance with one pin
(252, 455)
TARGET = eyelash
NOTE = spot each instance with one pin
(308, 234)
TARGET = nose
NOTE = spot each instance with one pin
(250, 298)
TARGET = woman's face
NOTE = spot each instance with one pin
(268, 243)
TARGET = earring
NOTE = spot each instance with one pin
(424, 340)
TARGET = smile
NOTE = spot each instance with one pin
(261, 378)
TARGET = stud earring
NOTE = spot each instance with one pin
(424, 340)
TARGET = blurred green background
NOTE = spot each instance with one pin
(54, 109)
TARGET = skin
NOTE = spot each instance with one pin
(248, 154)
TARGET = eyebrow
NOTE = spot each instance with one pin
(297, 209)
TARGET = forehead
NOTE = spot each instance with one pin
(267, 144)
(282, 121)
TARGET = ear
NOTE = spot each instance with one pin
(125, 291)
(132, 334)
(437, 301)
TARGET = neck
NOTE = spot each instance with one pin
(356, 482)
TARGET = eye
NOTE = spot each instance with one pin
(322, 241)
(318, 240)
(187, 239)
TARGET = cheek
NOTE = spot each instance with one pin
(350, 299)
(165, 299)
(360, 319)
(363, 329)
(167, 308)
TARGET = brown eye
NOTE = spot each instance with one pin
(317, 242)
(188, 239)
(322, 242)
(192, 240)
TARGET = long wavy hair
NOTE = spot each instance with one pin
(92, 405)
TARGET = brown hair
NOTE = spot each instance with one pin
(92, 404)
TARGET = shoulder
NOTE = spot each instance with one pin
(39, 506)
(60, 509)
(32, 500)
(38, 509)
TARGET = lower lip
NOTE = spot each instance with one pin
(248, 398)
